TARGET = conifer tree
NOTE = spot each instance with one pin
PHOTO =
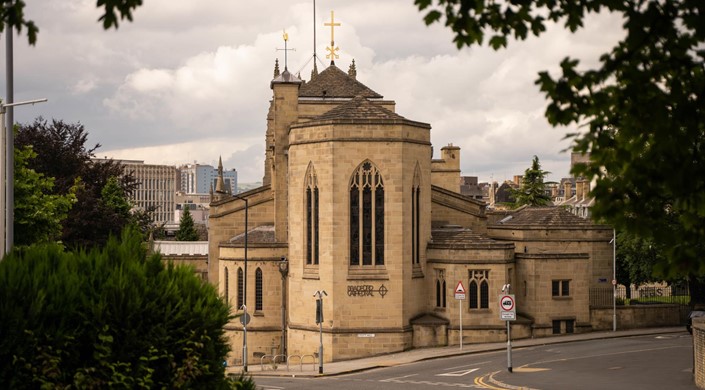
(186, 232)
(532, 190)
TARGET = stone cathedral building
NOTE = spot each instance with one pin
(353, 203)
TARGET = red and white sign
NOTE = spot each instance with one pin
(507, 303)
(460, 291)
(507, 307)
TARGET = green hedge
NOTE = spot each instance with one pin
(108, 318)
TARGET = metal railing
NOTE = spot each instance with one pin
(603, 296)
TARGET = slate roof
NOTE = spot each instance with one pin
(334, 83)
(286, 77)
(458, 235)
(359, 108)
(544, 216)
(261, 235)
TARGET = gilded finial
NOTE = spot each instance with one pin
(332, 49)
(276, 68)
(352, 71)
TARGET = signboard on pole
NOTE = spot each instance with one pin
(460, 291)
(507, 307)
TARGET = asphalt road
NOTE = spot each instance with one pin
(643, 362)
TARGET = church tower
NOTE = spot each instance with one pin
(354, 171)
(284, 111)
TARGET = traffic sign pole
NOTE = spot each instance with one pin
(507, 312)
(460, 296)
(460, 309)
(509, 347)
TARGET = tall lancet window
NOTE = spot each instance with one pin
(311, 210)
(258, 290)
(240, 288)
(366, 216)
(227, 284)
(415, 217)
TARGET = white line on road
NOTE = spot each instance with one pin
(459, 373)
(466, 365)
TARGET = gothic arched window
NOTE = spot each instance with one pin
(366, 216)
(258, 290)
(226, 283)
(311, 209)
(415, 216)
(440, 288)
(479, 289)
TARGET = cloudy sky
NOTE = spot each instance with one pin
(188, 80)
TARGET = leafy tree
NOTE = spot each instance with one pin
(186, 232)
(62, 155)
(144, 220)
(642, 108)
(532, 191)
(109, 318)
(636, 259)
(12, 15)
(38, 212)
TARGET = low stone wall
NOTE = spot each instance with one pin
(488, 334)
(636, 316)
(699, 352)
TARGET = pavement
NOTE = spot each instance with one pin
(310, 369)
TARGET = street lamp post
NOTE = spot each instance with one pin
(9, 190)
(244, 290)
(284, 270)
(319, 319)
(614, 280)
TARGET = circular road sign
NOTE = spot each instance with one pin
(245, 319)
(506, 303)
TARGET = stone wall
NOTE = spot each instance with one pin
(637, 316)
(699, 352)
(198, 262)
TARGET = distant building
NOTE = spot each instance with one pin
(574, 192)
(199, 212)
(469, 187)
(157, 186)
(200, 179)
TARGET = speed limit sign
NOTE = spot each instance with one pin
(507, 307)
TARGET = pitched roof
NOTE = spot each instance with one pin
(544, 216)
(458, 237)
(260, 235)
(359, 108)
(334, 83)
(449, 235)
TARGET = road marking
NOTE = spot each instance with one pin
(480, 381)
(505, 386)
(604, 354)
(459, 373)
(466, 365)
(530, 369)
(402, 380)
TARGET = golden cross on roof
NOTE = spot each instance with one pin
(332, 49)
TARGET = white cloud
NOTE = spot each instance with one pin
(190, 80)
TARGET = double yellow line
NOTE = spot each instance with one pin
(481, 382)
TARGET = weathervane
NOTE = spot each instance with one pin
(286, 50)
(332, 49)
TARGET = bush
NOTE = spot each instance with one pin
(108, 318)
